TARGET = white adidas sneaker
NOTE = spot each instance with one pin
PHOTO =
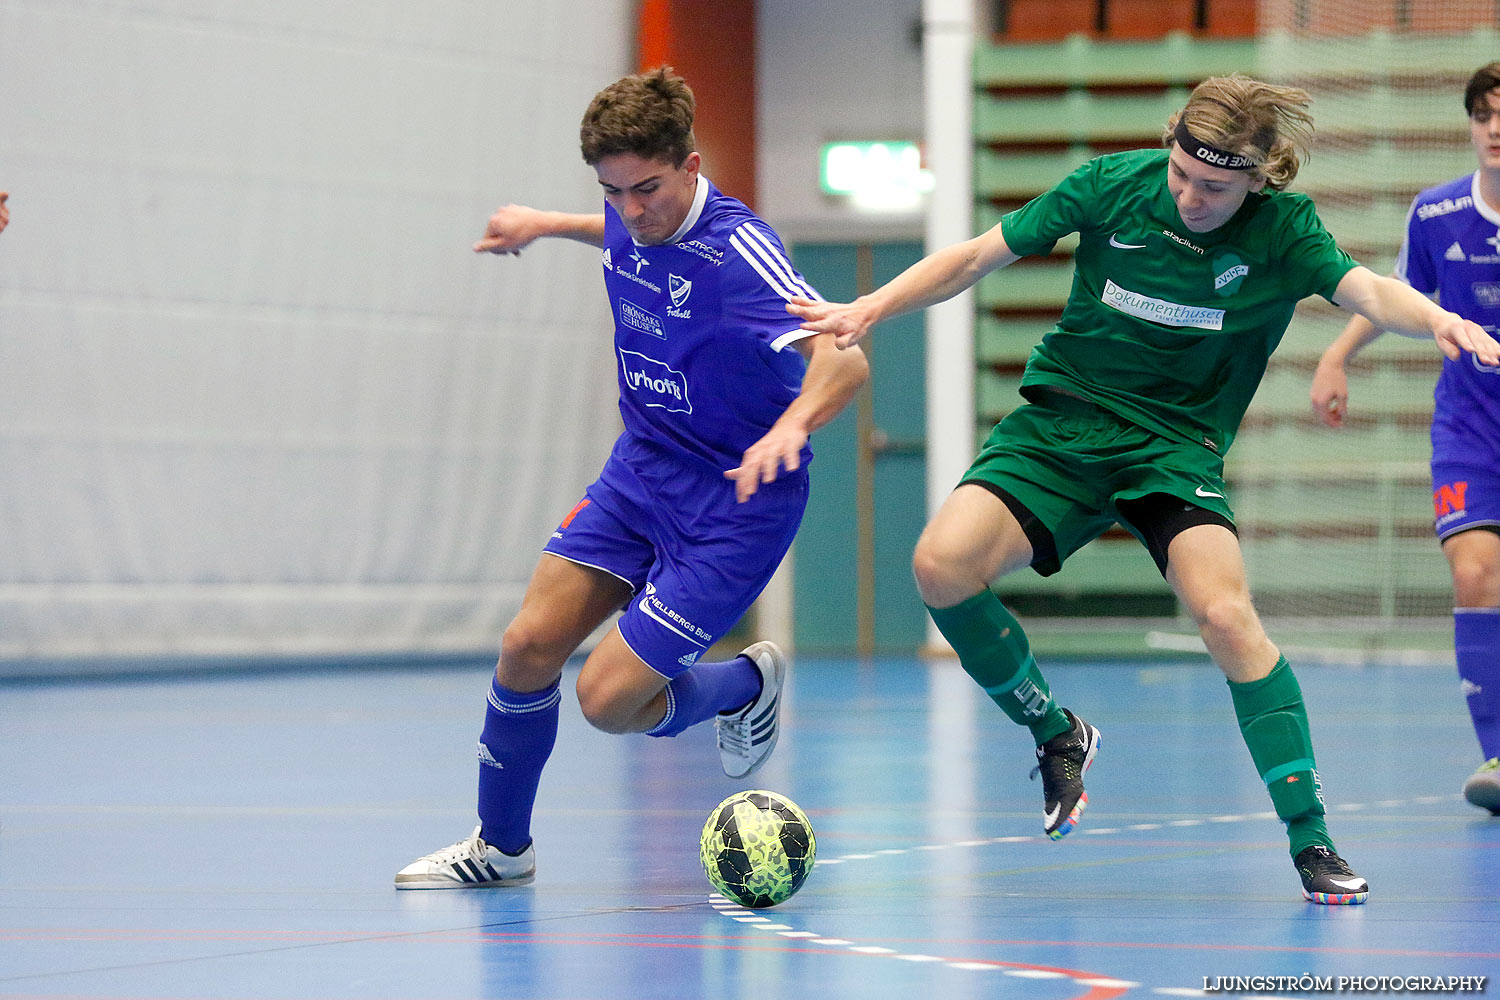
(747, 737)
(468, 864)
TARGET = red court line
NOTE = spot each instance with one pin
(466, 934)
(696, 942)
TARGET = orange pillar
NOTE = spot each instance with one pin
(712, 46)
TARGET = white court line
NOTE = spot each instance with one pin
(1104, 831)
(734, 911)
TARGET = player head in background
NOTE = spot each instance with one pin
(1482, 104)
(637, 134)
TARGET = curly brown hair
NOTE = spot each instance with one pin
(649, 114)
(1269, 124)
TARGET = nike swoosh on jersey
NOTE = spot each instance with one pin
(1114, 241)
(1200, 491)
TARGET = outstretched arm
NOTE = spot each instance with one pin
(833, 377)
(1396, 306)
(515, 227)
(935, 278)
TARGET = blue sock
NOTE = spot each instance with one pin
(519, 732)
(706, 689)
(1476, 641)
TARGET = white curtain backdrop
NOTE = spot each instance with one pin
(257, 395)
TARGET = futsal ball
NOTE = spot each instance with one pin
(757, 848)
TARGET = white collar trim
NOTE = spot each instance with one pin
(1480, 205)
(700, 198)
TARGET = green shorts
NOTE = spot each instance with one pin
(1068, 465)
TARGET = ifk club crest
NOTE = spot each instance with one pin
(680, 288)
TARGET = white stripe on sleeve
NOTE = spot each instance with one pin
(768, 261)
(791, 337)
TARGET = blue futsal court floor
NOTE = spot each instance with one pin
(235, 837)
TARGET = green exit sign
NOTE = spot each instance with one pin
(875, 175)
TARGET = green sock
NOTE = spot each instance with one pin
(1273, 720)
(994, 651)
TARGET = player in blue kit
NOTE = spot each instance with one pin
(701, 496)
(1452, 251)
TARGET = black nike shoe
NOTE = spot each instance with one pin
(1327, 879)
(1061, 762)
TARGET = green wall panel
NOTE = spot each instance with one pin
(824, 578)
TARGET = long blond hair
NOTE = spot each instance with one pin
(1268, 124)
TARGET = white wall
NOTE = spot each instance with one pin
(831, 70)
(256, 394)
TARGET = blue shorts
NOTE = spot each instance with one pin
(1464, 497)
(695, 558)
(1465, 475)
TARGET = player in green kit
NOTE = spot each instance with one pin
(1190, 261)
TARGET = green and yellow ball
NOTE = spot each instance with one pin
(757, 848)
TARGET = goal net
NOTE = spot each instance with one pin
(1337, 525)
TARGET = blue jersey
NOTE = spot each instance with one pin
(702, 334)
(1452, 248)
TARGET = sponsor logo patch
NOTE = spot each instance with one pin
(657, 384)
(701, 249)
(644, 320)
(1444, 207)
(1182, 242)
(1160, 310)
(1448, 500)
(658, 609)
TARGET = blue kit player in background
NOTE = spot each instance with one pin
(700, 497)
(1452, 252)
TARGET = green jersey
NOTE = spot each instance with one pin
(1165, 327)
